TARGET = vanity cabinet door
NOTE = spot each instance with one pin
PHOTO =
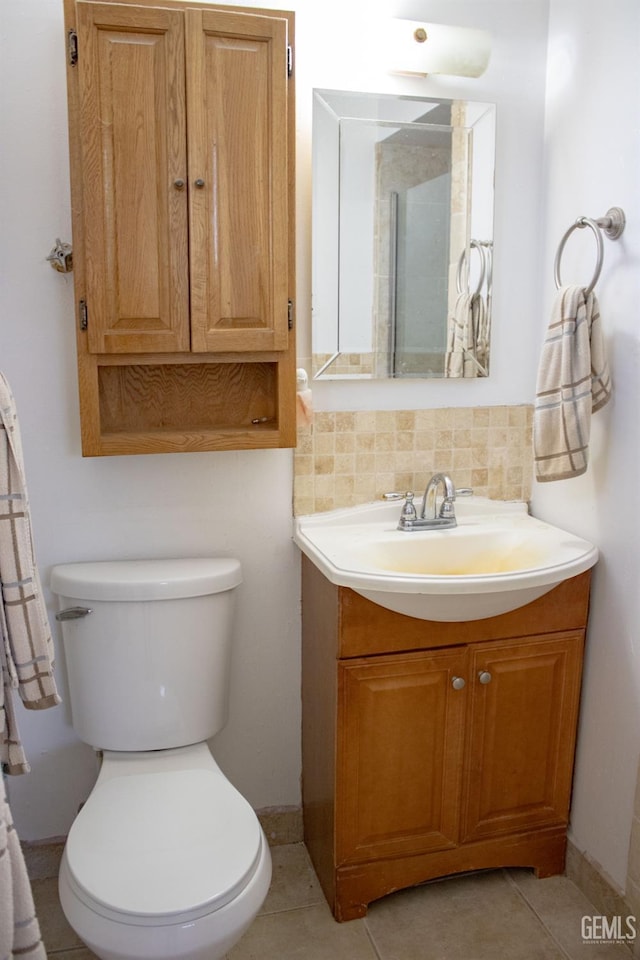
(524, 698)
(399, 750)
(132, 138)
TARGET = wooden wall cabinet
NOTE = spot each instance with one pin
(181, 132)
(435, 748)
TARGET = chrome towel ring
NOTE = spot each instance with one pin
(612, 224)
(473, 245)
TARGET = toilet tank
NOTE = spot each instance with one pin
(148, 667)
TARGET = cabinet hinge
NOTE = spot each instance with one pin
(72, 47)
(290, 314)
(83, 314)
(289, 61)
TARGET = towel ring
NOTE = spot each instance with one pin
(473, 245)
(612, 224)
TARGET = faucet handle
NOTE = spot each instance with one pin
(464, 491)
(408, 511)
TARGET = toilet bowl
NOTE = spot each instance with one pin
(166, 860)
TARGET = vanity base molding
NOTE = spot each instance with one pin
(431, 748)
(358, 885)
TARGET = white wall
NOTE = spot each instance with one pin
(593, 163)
(236, 504)
(226, 503)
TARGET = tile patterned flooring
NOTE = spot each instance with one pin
(498, 915)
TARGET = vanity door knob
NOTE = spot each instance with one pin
(178, 184)
(199, 183)
(458, 683)
(484, 676)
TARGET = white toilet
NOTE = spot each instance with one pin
(165, 859)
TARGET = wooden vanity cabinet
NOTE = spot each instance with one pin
(181, 131)
(435, 748)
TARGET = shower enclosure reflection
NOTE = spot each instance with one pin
(402, 236)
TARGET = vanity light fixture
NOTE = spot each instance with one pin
(418, 49)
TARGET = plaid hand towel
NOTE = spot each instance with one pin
(467, 338)
(19, 927)
(573, 382)
(26, 645)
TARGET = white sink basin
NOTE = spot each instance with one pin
(497, 559)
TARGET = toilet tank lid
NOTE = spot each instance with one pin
(146, 579)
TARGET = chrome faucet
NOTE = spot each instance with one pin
(430, 517)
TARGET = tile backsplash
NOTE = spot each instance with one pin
(350, 457)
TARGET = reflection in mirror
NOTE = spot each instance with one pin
(402, 236)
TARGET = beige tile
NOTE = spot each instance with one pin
(462, 437)
(588, 877)
(405, 420)
(425, 419)
(345, 463)
(385, 441)
(307, 934)
(304, 506)
(282, 824)
(293, 882)
(461, 459)
(365, 463)
(324, 422)
(345, 422)
(324, 444)
(425, 439)
(463, 418)
(561, 906)
(56, 932)
(303, 465)
(402, 482)
(324, 466)
(365, 442)
(479, 917)
(385, 421)
(365, 421)
(384, 483)
(324, 486)
(43, 859)
(498, 416)
(481, 417)
(345, 442)
(444, 419)
(404, 440)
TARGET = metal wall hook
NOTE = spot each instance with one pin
(61, 257)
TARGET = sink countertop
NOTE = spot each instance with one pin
(496, 559)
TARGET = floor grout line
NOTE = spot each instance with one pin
(535, 913)
(372, 939)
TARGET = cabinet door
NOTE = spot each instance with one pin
(133, 136)
(521, 734)
(399, 753)
(238, 180)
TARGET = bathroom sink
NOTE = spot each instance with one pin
(497, 559)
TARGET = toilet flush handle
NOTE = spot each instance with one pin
(73, 613)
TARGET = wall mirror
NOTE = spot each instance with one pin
(402, 245)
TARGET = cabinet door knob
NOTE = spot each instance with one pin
(178, 184)
(484, 676)
(199, 183)
(458, 683)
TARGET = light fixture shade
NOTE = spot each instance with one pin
(418, 48)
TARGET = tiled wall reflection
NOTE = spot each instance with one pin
(351, 457)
